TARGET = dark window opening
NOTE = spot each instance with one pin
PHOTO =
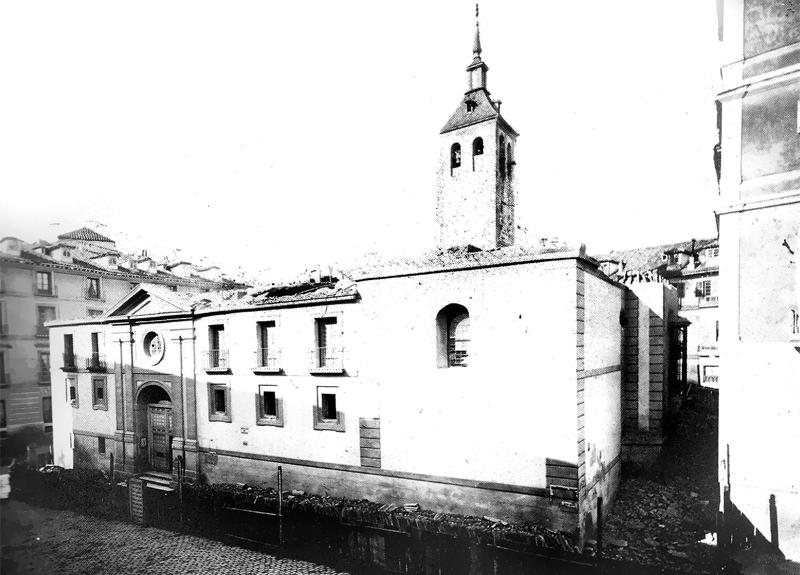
(455, 156)
(2, 412)
(510, 161)
(99, 393)
(471, 105)
(477, 149)
(101, 445)
(270, 404)
(453, 328)
(219, 401)
(502, 159)
(73, 392)
(93, 289)
(328, 401)
(44, 283)
(47, 409)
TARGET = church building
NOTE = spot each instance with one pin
(486, 379)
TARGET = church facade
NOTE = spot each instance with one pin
(486, 379)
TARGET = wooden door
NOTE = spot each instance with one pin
(160, 432)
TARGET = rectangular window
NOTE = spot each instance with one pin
(44, 283)
(269, 408)
(99, 398)
(327, 354)
(3, 376)
(716, 330)
(101, 445)
(94, 312)
(267, 352)
(217, 353)
(681, 287)
(69, 353)
(173, 288)
(219, 402)
(44, 313)
(3, 413)
(44, 367)
(72, 391)
(327, 411)
(93, 288)
(47, 409)
(95, 360)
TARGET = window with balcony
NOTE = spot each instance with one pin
(44, 283)
(69, 363)
(99, 395)
(219, 402)
(95, 362)
(217, 359)
(327, 411)
(269, 406)
(93, 288)
(72, 391)
(327, 356)
(453, 333)
(44, 313)
(267, 352)
(43, 364)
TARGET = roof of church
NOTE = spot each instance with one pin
(84, 234)
(485, 109)
(468, 257)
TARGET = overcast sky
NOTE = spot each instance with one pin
(275, 136)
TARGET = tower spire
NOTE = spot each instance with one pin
(476, 45)
(477, 69)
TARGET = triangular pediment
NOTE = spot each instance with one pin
(146, 299)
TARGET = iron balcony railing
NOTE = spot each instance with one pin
(708, 301)
(91, 292)
(48, 291)
(70, 362)
(267, 360)
(710, 379)
(217, 360)
(327, 360)
(95, 362)
(44, 376)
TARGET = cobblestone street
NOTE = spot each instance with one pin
(38, 540)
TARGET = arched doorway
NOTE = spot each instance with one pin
(154, 428)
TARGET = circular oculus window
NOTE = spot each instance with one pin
(153, 345)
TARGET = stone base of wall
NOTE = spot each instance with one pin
(382, 486)
(641, 446)
(605, 486)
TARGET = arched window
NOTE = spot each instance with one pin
(455, 156)
(477, 149)
(453, 329)
(502, 160)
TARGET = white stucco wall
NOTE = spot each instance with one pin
(513, 406)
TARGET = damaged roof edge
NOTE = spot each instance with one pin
(180, 315)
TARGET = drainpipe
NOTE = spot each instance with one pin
(194, 374)
(183, 400)
(122, 387)
(133, 387)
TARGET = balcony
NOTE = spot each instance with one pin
(42, 331)
(45, 292)
(95, 363)
(217, 361)
(325, 360)
(70, 362)
(44, 377)
(267, 361)
(708, 301)
(711, 379)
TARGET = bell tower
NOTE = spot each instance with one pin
(475, 193)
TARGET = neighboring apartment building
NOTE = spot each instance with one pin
(484, 379)
(76, 276)
(693, 268)
(759, 225)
